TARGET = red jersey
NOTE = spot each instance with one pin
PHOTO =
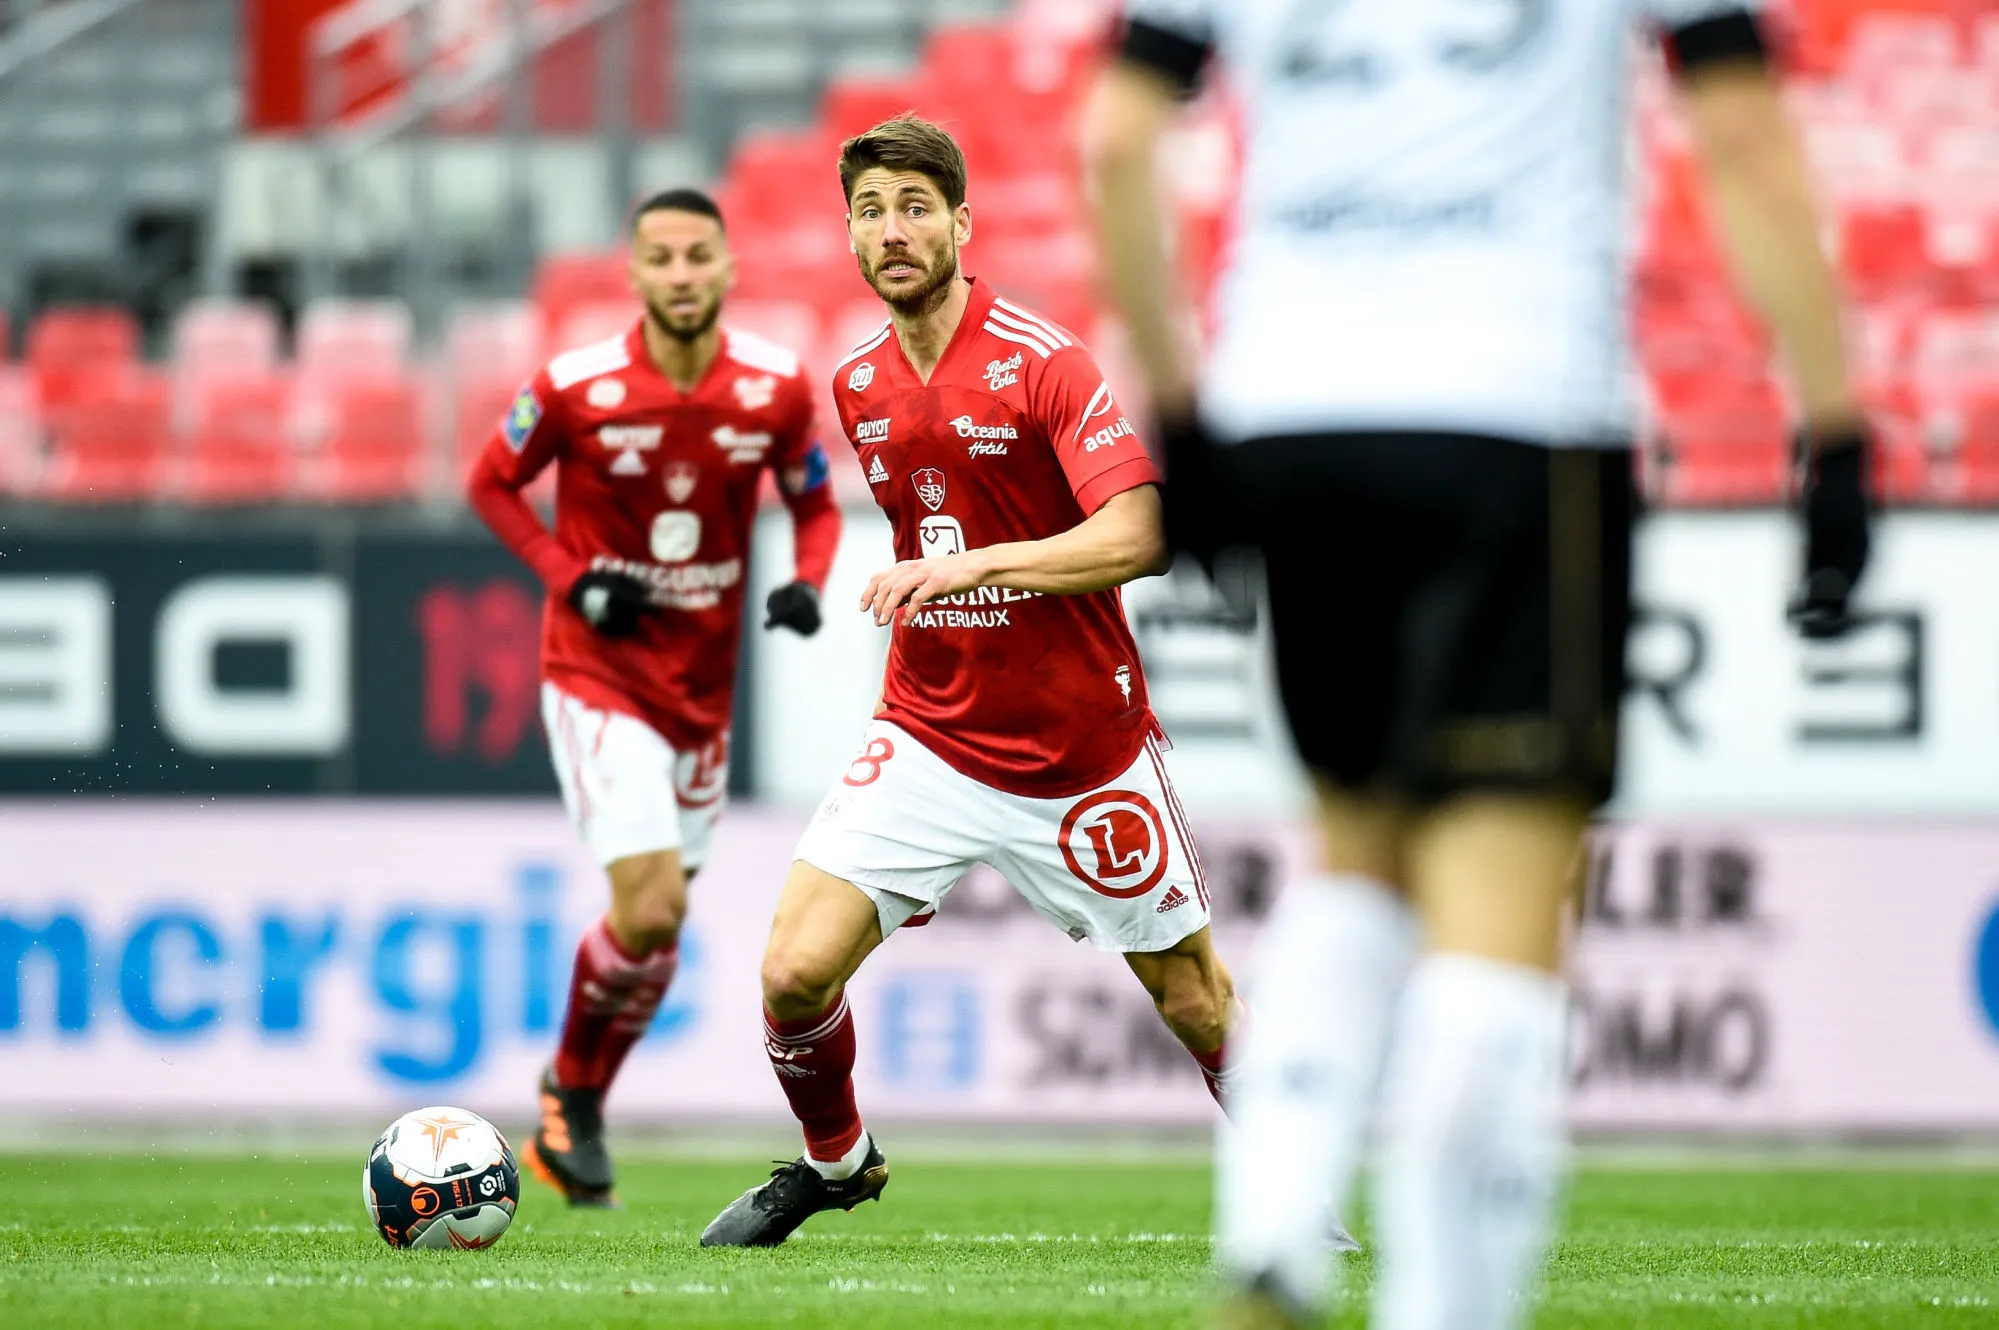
(1015, 437)
(662, 485)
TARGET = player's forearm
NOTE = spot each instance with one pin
(815, 534)
(1124, 122)
(1118, 543)
(503, 510)
(1769, 226)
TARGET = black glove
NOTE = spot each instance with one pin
(609, 602)
(1837, 519)
(795, 605)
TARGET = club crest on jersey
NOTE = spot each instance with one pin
(681, 478)
(756, 393)
(929, 484)
(863, 375)
(605, 393)
(1114, 842)
(741, 446)
(1000, 373)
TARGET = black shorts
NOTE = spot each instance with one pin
(1449, 610)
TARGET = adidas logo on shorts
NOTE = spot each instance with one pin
(1175, 898)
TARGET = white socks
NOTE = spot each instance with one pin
(1321, 991)
(848, 1164)
(1474, 1146)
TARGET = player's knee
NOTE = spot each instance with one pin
(648, 901)
(794, 987)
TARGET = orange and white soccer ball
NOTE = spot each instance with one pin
(441, 1178)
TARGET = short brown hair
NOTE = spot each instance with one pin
(906, 143)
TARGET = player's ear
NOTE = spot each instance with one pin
(851, 247)
(961, 218)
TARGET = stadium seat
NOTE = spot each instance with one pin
(111, 443)
(1882, 250)
(597, 321)
(238, 443)
(478, 404)
(1978, 451)
(565, 281)
(353, 338)
(1883, 42)
(223, 336)
(373, 445)
(772, 171)
(792, 324)
(852, 105)
(71, 350)
(20, 432)
(1725, 455)
(500, 337)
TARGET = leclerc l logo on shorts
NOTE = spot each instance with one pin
(1123, 839)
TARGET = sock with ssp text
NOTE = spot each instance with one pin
(1323, 984)
(1474, 1148)
(814, 1061)
(613, 997)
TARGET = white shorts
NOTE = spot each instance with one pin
(626, 788)
(1116, 865)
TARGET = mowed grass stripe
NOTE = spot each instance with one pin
(96, 1242)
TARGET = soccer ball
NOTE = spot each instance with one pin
(443, 1178)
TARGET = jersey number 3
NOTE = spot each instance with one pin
(1310, 51)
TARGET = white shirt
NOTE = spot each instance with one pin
(1432, 221)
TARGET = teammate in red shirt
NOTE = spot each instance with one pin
(1013, 728)
(660, 439)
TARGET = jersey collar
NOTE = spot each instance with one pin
(964, 338)
(635, 347)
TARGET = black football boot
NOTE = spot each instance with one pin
(567, 1152)
(765, 1216)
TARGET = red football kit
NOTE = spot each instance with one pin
(1015, 437)
(662, 485)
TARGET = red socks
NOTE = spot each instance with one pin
(612, 999)
(814, 1062)
(1214, 1070)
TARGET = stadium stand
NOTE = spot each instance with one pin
(1899, 103)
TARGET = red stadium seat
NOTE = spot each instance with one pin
(500, 337)
(852, 105)
(773, 173)
(223, 336)
(20, 432)
(373, 446)
(478, 404)
(1725, 455)
(565, 281)
(1978, 451)
(354, 338)
(239, 446)
(599, 321)
(1882, 250)
(110, 444)
(70, 351)
(792, 324)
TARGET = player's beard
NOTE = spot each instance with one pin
(927, 294)
(680, 329)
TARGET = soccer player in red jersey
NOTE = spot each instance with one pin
(660, 439)
(1014, 728)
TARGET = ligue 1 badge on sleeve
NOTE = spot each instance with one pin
(863, 375)
(930, 487)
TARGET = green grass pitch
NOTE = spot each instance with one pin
(110, 1241)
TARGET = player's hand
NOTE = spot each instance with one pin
(914, 583)
(609, 602)
(795, 605)
(1837, 520)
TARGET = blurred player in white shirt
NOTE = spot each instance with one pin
(1414, 409)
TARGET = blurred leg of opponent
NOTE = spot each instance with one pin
(1454, 691)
